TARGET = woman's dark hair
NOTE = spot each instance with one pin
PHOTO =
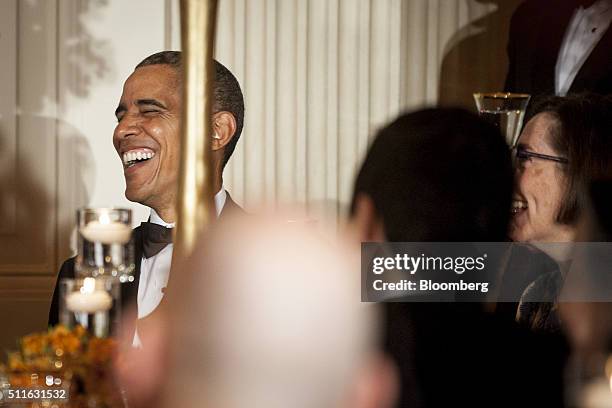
(439, 175)
(583, 135)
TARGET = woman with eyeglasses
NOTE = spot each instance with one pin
(564, 147)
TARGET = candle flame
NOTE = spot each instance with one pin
(89, 286)
(104, 218)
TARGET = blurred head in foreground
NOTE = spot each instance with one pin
(269, 315)
(437, 175)
(434, 175)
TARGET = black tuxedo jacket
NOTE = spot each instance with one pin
(537, 29)
(129, 290)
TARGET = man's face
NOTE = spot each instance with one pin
(147, 135)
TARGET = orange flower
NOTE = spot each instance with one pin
(64, 341)
(70, 354)
(59, 330)
(15, 362)
(79, 331)
(34, 344)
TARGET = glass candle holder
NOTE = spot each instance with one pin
(104, 246)
(504, 110)
(93, 303)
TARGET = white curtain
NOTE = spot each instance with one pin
(321, 76)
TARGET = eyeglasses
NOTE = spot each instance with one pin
(521, 154)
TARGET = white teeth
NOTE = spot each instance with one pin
(518, 205)
(130, 157)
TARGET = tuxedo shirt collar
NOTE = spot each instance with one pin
(220, 199)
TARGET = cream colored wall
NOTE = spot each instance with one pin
(121, 33)
(61, 79)
(319, 77)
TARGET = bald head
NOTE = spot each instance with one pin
(266, 313)
(270, 316)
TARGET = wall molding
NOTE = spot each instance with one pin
(26, 288)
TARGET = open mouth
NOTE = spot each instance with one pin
(136, 156)
(518, 206)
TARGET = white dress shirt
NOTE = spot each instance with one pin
(584, 31)
(155, 271)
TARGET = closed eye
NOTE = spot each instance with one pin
(522, 156)
(120, 112)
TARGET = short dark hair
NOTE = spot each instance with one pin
(226, 89)
(439, 175)
(583, 135)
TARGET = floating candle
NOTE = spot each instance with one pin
(89, 299)
(106, 231)
(98, 301)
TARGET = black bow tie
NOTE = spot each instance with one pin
(155, 237)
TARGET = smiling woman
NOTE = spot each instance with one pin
(540, 184)
(563, 148)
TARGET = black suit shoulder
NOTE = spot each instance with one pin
(537, 28)
(66, 272)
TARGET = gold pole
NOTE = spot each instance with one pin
(194, 201)
(195, 204)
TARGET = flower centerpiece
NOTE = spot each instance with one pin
(72, 360)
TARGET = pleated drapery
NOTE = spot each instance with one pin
(321, 76)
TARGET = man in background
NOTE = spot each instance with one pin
(557, 47)
(147, 139)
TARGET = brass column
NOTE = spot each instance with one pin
(195, 203)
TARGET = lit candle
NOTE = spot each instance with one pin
(88, 299)
(106, 231)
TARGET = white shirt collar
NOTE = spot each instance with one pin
(585, 29)
(220, 199)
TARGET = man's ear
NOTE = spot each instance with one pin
(367, 224)
(224, 128)
(377, 384)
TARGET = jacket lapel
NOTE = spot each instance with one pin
(596, 68)
(551, 34)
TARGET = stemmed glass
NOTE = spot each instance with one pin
(504, 110)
